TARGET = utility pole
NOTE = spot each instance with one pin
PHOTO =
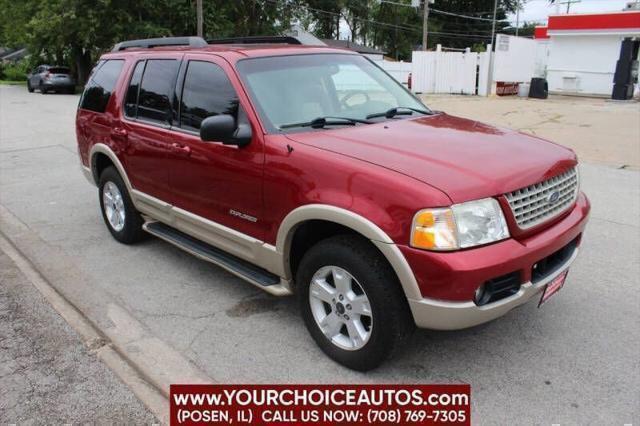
(199, 17)
(425, 25)
(493, 26)
(517, 17)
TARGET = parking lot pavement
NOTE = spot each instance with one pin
(47, 376)
(574, 361)
(599, 130)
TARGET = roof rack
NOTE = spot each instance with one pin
(256, 40)
(162, 41)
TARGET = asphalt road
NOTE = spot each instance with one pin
(575, 361)
(47, 376)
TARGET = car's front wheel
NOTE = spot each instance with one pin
(29, 87)
(352, 303)
(119, 214)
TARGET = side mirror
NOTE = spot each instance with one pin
(223, 128)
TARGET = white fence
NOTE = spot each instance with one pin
(464, 73)
(398, 70)
(515, 59)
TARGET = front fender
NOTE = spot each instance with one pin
(352, 221)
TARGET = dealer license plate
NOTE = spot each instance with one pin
(553, 287)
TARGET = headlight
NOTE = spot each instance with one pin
(463, 225)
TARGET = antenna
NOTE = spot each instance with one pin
(569, 3)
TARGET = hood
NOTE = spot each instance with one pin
(465, 159)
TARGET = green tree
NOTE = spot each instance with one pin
(76, 32)
(325, 16)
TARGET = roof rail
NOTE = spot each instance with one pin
(161, 41)
(256, 40)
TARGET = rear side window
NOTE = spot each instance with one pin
(131, 100)
(99, 88)
(207, 91)
(154, 99)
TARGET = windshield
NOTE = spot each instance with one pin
(303, 88)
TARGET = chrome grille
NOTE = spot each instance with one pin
(534, 204)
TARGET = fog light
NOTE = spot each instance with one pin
(479, 295)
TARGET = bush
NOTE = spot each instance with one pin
(14, 71)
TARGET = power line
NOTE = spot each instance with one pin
(405, 27)
(477, 18)
(445, 35)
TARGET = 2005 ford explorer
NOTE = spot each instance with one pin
(309, 170)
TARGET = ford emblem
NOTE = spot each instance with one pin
(553, 197)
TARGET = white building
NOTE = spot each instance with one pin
(583, 50)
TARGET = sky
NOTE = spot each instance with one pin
(539, 10)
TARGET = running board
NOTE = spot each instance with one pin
(256, 275)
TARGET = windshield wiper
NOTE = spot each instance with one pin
(390, 113)
(320, 122)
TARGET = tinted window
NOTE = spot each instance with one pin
(131, 101)
(207, 91)
(156, 88)
(99, 88)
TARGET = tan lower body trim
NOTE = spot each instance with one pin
(443, 315)
(282, 289)
(272, 258)
(402, 269)
(227, 239)
(253, 250)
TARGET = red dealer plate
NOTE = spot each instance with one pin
(553, 287)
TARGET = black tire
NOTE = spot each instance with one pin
(132, 231)
(71, 90)
(392, 323)
(29, 88)
(43, 90)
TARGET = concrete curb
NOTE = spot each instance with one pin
(92, 338)
(145, 363)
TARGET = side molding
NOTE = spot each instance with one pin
(353, 221)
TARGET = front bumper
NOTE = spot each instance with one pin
(448, 281)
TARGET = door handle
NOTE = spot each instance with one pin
(181, 149)
(119, 133)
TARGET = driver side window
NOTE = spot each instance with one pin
(207, 91)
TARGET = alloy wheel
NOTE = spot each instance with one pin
(113, 206)
(340, 308)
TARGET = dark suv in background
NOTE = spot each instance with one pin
(51, 78)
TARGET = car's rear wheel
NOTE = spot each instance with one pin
(122, 219)
(352, 303)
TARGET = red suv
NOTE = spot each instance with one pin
(309, 170)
